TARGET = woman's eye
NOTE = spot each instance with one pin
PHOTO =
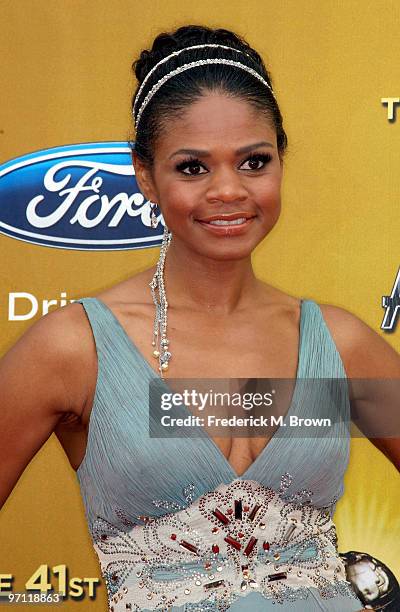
(193, 165)
(255, 160)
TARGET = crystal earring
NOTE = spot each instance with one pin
(160, 341)
(153, 216)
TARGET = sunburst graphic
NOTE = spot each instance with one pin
(367, 516)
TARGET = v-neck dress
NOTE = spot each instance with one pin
(176, 529)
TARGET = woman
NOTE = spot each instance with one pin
(197, 523)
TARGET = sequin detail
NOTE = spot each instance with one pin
(212, 552)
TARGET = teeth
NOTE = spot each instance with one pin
(225, 222)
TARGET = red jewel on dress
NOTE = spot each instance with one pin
(233, 542)
(189, 546)
(266, 545)
(254, 512)
(250, 545)
(278, 576)
(220, 516)
(173, 536)
(215, 548)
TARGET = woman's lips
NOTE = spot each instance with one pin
(231, 228)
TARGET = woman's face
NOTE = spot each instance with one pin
(218, 159)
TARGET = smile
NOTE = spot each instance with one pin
(225, 222)
(225, 227)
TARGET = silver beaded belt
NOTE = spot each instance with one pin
(237, 539)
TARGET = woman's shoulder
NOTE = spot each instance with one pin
(131, 292)
(364, 351)
(65, 336)
(57, 333)
(49, 355)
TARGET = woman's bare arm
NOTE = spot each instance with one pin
(36, 389)
(366, 355)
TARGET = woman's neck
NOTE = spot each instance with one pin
(200, 283)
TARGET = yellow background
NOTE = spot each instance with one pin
(66, 78)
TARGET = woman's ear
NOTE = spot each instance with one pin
(144, 178)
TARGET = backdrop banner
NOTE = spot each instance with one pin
(73, 222)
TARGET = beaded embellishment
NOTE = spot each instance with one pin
(237, 539)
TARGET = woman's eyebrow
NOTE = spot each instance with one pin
(204, 153)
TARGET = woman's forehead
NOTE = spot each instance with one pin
(217, 104)
(217, 118)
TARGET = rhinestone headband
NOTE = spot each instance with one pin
(184, 67)
(174, 54)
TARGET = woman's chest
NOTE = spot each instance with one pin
(221, 347)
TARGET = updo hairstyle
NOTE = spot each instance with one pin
(187, 87)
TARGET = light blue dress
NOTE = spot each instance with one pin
(174, 526)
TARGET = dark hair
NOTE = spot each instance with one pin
(188, 86)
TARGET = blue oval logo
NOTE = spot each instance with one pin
(82, 196)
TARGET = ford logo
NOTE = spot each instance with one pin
(81, 196)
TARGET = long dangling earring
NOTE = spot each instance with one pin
(153, 216)
(160, 340)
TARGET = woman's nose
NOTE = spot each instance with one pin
(226, 185)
